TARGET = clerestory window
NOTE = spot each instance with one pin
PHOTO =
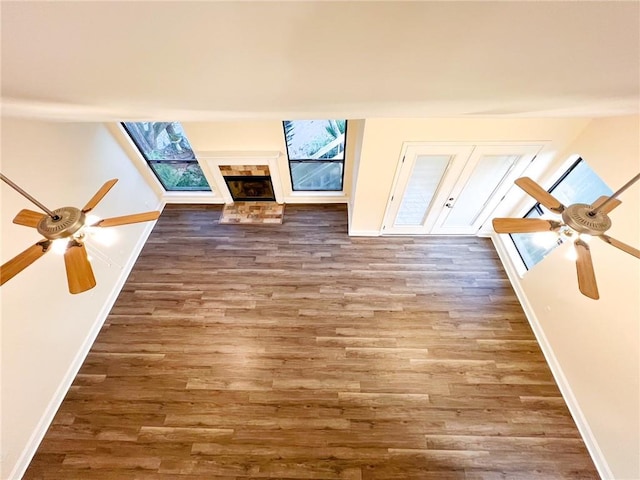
(168, 153)
(578, 184)
(316, 150)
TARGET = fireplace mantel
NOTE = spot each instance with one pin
(213, 159)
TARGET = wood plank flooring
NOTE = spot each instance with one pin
(293, 351)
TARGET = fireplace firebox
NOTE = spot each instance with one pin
(250, 188)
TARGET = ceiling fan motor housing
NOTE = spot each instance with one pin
(580, 218)
(70, 221)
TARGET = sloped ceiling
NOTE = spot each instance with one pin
(237, 60)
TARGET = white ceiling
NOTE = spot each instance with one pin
(214, 60)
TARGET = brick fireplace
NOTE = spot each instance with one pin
(248, 183)
(259, 171)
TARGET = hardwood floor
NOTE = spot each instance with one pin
(293, 351)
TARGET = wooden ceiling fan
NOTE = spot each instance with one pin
(66, 225)
(578, 220)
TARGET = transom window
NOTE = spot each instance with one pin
(578, 184)
(316, 153)
(166, 149)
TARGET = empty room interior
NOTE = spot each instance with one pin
(320, 240)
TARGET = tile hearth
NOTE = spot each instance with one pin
(252, 212)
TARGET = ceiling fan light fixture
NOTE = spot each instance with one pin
(578, 224)
(546, 239)
(64, 231)
(585, 237)
(571, 254)
(66, 223)
(581, 218)
(59, 246)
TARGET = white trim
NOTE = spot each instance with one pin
(509, 248)
(237, 157)
(563, 384)
(122, 137)
(478, 143)
(364, 233)
(349, 214)
(49, 413)
(316, 197)
(213, 160)
(169, 196)
(524, 155)
(319, 194)
(458, 156)
(191, 197)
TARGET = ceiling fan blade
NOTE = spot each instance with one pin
(91, 204)
(586, 275)
(79, 272)
(23, 260)
(126, 219)
(540, 194)
(622, 246)
(610, 206)
(523, 225)
(28, 218)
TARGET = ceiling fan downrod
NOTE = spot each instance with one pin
(29, 197)
(593, 212)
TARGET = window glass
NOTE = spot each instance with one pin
(423, 183)
(315, 149)
(533, 247)
(180, 175)
(579, 184)
(316, 175)
(485, 179)
(166, 149)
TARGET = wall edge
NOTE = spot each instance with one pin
(579, 418)
(49, 413)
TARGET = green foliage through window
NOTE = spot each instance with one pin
(166, 149)
(316, 150)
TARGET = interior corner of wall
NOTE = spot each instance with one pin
(49, 413)
(588, 437)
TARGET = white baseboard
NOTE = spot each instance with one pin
(563, 384)
(364, 233)
(316, 198)
(47, 417)
(192, 199)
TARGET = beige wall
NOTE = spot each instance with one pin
(46, 332)
(383, 139)
(593, 346)
(265, 135)
(596, 344)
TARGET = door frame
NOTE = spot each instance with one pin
(440, 196)
(410, 151)
(526, 152)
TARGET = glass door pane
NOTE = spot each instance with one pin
(487, 176)
(423, 183)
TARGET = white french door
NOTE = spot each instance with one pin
(451, 190)
(422, 182)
